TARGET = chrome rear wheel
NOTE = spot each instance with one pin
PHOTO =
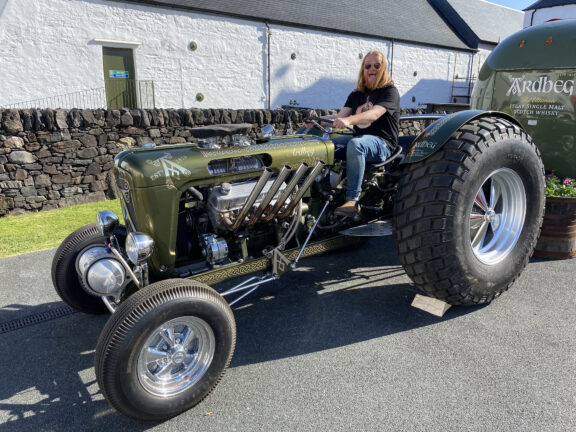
(497, 216)
(467, 217)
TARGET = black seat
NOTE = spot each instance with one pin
(220, 130)
(404, 143)
(394, 156)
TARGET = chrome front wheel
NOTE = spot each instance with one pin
(165, 349)
(176, 355)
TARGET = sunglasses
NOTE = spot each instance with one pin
(369, 65)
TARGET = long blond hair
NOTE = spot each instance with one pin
(382, 79)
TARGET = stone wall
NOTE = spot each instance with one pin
(58, 158)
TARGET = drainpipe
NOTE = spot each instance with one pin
(391, 58)
(268, 64)
(181, 84)
(470, 78)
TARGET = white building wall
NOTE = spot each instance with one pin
(325, 68)
(48, 48)
(425, 75)
(479, 59)
(227, 68)
(54, 47)
(540, 16)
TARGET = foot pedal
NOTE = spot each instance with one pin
(373, 229)
(430, 305)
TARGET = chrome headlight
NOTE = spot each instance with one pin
(239, 140)
(106, 221)
(208, 143)
(101, 273)
(139, 247)
(267, 131)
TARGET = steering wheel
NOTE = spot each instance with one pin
(316, 121)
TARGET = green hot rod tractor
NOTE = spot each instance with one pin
(464, 201)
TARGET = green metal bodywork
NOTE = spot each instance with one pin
(438, 133)
(234, 270)
(530, 76)
(152, 181)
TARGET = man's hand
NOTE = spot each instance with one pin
(320, 122)
(341, 123)
(308, 124)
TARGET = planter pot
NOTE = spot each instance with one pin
(558, 235)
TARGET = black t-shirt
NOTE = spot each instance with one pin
(387, 125)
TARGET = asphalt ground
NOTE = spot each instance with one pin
(332, 346)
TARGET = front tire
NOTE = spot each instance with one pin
(65, 276)
(165, 349)
(467, 218)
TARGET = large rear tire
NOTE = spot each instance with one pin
(165, 349)
(467, 218)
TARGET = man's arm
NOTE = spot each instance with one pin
(369, 116)
(344, 112)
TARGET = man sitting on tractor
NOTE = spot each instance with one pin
(373, 109)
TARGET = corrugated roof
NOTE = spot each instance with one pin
(413, 21)
(549, 3)
(490, 22)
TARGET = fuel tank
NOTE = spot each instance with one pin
(184, 165)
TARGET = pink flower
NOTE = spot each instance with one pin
(567, 181)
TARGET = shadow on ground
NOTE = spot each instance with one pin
(330, 301)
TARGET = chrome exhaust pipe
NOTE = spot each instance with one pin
(286, 192)
(270, 194)
(233, 225)
(305, 186)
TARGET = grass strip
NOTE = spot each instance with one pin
(33, 232)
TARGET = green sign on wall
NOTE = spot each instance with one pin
(118, 74)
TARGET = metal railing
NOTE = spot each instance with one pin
(137, 94)
(129, 93)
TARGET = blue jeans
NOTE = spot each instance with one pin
(359, 151)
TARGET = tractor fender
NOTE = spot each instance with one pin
(439, 132)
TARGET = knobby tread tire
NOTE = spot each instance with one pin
(65, 277)
(121, 333)
(429, 216)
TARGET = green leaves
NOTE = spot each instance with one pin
(556, 187)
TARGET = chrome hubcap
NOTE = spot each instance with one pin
(176, 355)
(497, 216)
